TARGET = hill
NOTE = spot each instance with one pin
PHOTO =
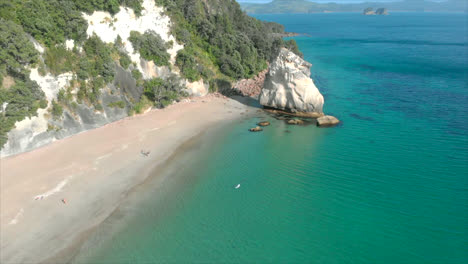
(71, 65)
(303, 6)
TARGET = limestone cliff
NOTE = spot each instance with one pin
(288, 86)
(95, 62)
(117, 97)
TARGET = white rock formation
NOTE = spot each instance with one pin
(4, 106)
(198, 88)
(327, 121)
(26, 132)
(108, 27)
(33, 132)
(50, 84)
(288, 86)
(37, 46)
(69, 44)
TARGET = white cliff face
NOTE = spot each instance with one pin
(27, 133)
(198, 88)
(288, 86)
(70, 44)
(108, 27)
(36, 131)
(50, 84)
(37, 46)
(42, 129)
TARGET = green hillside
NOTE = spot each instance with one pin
(222, 44)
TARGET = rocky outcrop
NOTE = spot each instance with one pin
(40, 130)
(289, 88)
(368, 11)
(253, 86)
(264, 123)
(380, 11)
(256, 129)
(295, 122)
(198, 88)
(117, 99)
(327, 121)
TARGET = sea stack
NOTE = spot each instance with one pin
(381, 11)
(289, 88)
(370, 12)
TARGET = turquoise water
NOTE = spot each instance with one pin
(389, 185)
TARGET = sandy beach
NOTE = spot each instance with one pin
(52, 197)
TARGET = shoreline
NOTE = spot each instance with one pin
(94, 171)
(158, 173)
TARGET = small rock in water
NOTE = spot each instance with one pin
(295, 122)
(256, 129)
(327, 121)
(264, 123)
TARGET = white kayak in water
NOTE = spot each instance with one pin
(238, 186)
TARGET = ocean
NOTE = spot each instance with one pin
(388, 185)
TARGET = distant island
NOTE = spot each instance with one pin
(304, 6)
(370, 11)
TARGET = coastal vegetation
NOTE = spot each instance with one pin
(164, 92)
(292, 46)
(19, 96)
(221, 41)
(151, 47)
(221, 44)
(111, 6)
(119, 104)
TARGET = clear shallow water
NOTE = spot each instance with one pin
(389, 185)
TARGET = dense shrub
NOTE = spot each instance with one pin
(124, 60)
(59, 60)
(141, 105)
(163, 92)
(22, 96)
(274, 27)
(292, 46)
(136, 74)
(57, 110)
(16, 50)
(188, 65)
(99, 60)
(111, 6)
(51, 21)
(151, 47)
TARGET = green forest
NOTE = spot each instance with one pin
(222, 43)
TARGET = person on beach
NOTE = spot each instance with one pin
(64, 201)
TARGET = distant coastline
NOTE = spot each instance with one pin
(307, 7)
(290, 34)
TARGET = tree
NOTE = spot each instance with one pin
(16, 50)
(163, 92)
(151, 47)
